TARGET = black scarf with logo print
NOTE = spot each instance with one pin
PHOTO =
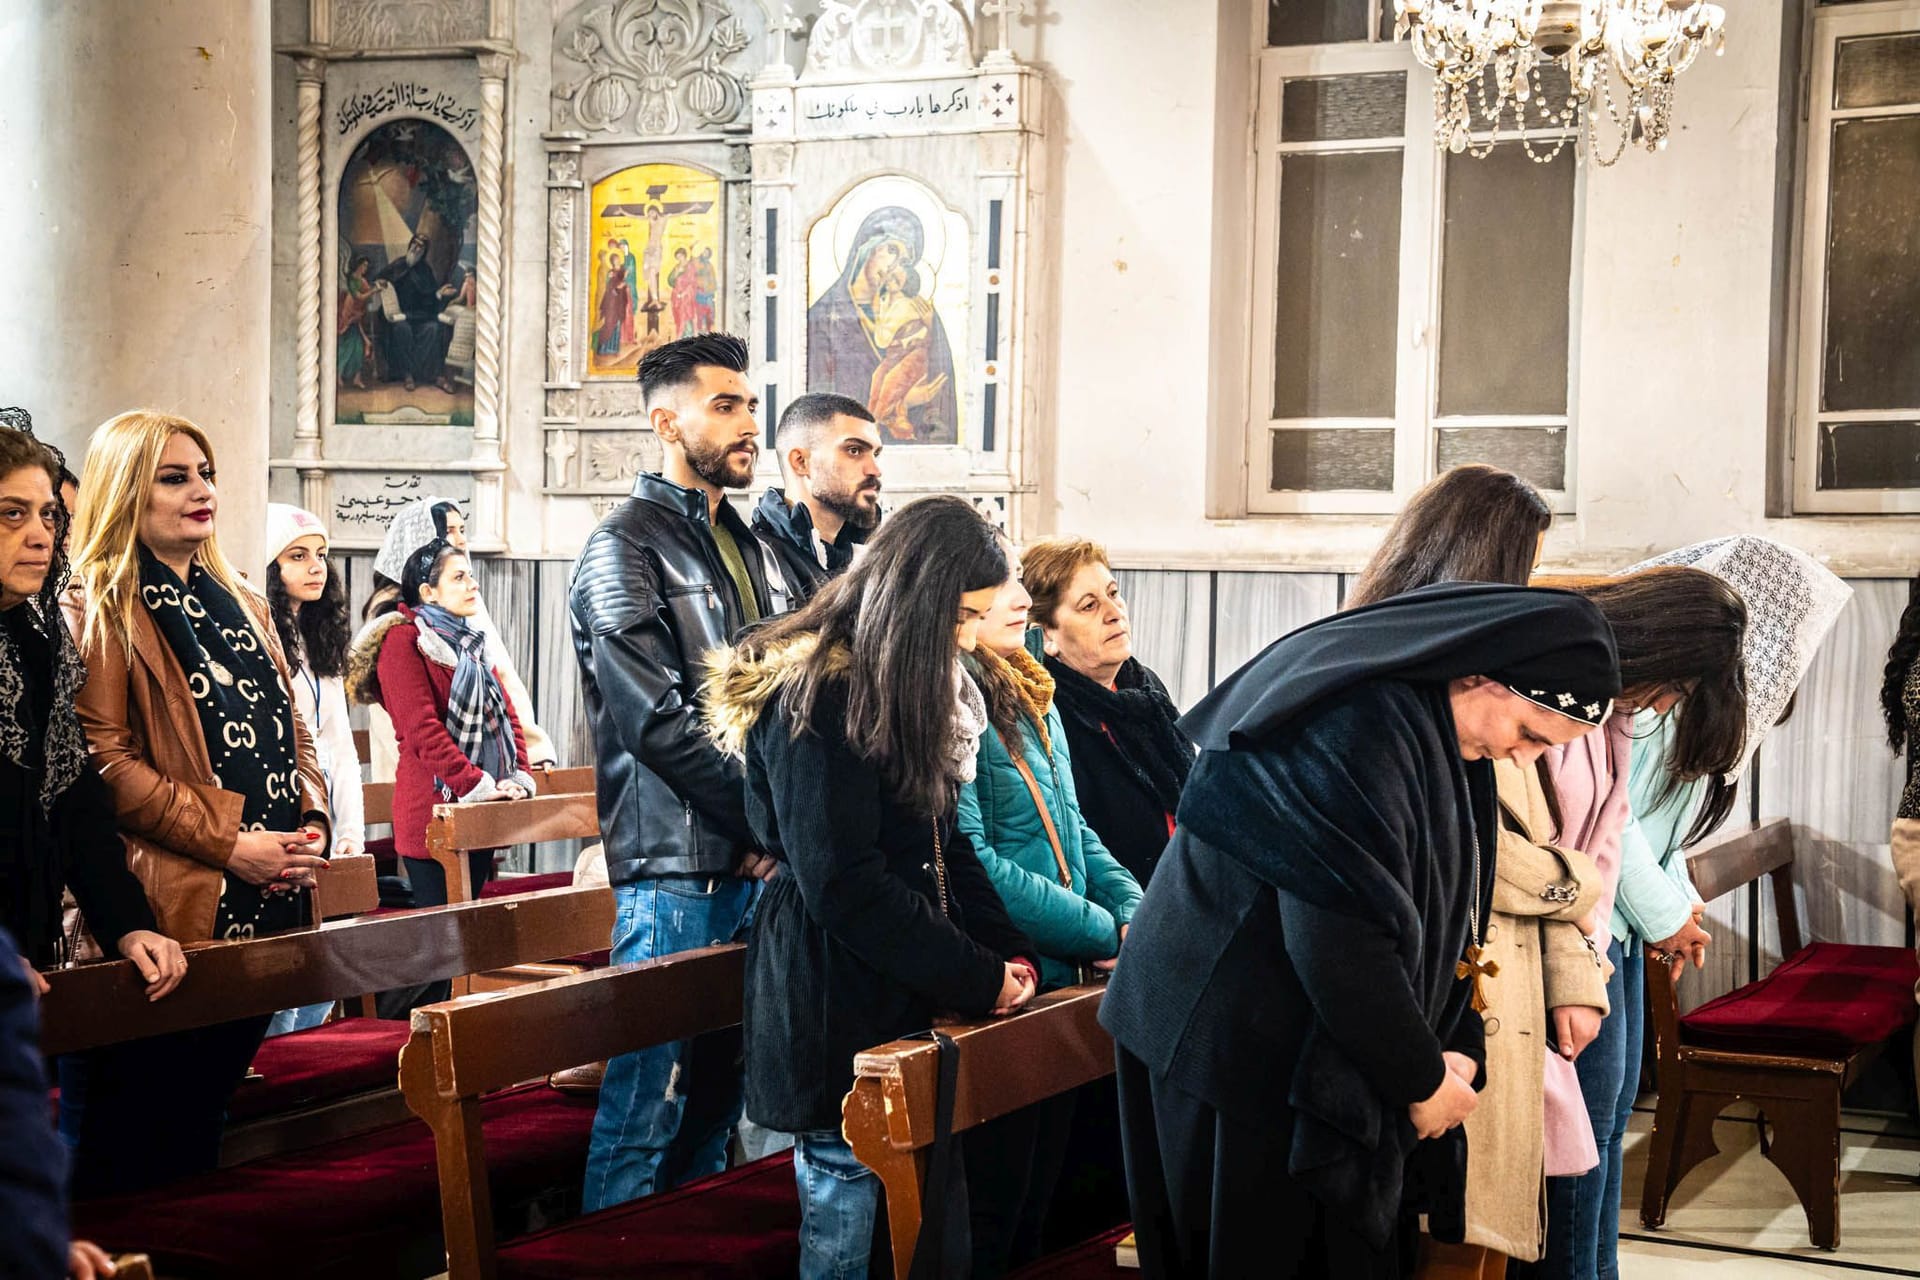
(246, 718)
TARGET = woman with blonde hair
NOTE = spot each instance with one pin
(189, 717)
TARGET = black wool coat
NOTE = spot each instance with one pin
(851, 946)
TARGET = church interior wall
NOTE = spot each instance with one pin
(1676, 393)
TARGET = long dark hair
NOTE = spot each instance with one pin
(317, 636)
(385, 597)
(1900, 659)
(1474, 523)
(887, 627)
(20, 451)
(1681, 630)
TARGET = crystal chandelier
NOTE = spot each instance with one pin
(1487, 57)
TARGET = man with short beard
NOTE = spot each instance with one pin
(670, 575)
(830, 453)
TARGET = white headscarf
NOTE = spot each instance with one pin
(969, 722)
(411, 530)
(1792, 602)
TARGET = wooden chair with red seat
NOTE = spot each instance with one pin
(467, 1048)
(1053, 1046)
(1789, 1043)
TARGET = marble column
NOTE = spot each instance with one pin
(134, 223)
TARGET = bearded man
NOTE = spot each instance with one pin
(830, 454)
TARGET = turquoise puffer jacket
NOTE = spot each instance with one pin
(1070, 926)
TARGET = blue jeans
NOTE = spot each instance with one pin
(839, 1200)
(665, 1112)
(1583, 1213)
(309, 1015)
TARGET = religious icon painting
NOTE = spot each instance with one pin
(654, 263)
(405, 321)
(888, 288)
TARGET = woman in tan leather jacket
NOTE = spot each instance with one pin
(188, 714)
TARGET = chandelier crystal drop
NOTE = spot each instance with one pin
(1487, 57)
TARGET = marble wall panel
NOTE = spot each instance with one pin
(1172, 629)
(1252, 610)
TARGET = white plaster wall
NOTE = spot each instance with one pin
(1676, 300)
(134, 225)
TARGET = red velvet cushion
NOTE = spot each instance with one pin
(743, 1223)
(351, 1207)
(502, 885)
(1090, 1261)
(321, 1064)
(1825, 1000)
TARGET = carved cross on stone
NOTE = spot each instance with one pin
(1006, 11)
(1477, 966)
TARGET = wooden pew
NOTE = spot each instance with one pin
(105, 1002)
(464, 1049)
(1054, 1045)
(458, 829)
(1790, 1043)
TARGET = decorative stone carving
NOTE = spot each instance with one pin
(561, 448)
(408, 24)
(649, 67)
(611, 400)
(616, 457)
(309, 76)
(563, 195)
(857, 38)
(993, 506)
(563, 402)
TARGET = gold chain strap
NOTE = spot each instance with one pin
(940, 868)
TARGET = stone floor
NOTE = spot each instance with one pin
(1736, 1217)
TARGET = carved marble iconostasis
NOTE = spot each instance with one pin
(400, 137)
(894, 185)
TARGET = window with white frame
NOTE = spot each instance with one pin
(1856, 428)
(1412, 309)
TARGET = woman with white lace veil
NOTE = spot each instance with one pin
(419, 523)
(1792, 603)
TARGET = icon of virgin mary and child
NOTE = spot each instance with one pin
(875, 336)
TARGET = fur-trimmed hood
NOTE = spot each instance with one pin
(363, 655)
(738, 689)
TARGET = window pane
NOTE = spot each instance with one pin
(1338, 107)
(1506, 261)
(1877, 71)
(1337, 286)
(1316, 21)
(1872, 352)
(1320, 458)
(1870, 455)
(1537, 455)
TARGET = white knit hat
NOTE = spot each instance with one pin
(287, 525)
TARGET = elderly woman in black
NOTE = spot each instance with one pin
(1130, 758)
(56, 820)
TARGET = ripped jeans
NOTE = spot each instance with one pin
(665, 1112)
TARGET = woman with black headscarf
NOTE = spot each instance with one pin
(1295, 1015)
(57, 825)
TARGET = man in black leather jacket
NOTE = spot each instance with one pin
(830, 455)
(671, 574)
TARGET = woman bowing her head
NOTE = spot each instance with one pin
(213, 779)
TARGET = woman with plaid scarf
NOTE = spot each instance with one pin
(460, 742)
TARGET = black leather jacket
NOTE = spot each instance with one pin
(650, 599)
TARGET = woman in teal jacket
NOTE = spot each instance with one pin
(1060, 886)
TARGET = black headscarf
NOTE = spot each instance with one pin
(1551, 647)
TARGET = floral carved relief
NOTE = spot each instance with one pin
(649, 67)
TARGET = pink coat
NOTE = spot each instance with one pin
(1590, 777)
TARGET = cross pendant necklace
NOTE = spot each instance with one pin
(1474, 963)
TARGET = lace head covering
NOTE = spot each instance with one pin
(1792, 602)
(411, 530)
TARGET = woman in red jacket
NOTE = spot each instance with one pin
(460, 742)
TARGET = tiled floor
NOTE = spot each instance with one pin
(1736, 1217)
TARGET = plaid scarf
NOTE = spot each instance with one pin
(477, 718)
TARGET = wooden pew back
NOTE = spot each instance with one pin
(106, 1003)
(458, 829)
(464, 1049)
(1054, 1045)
